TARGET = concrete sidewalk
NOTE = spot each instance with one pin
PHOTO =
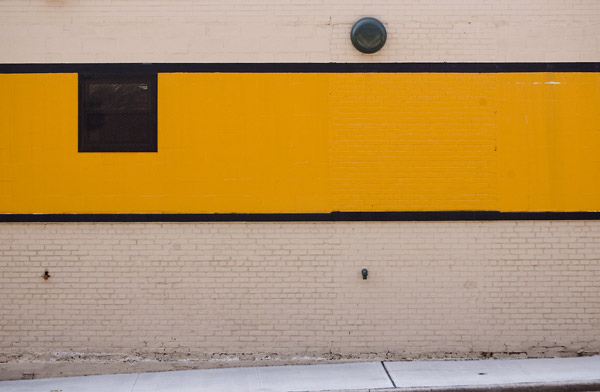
(558, 374)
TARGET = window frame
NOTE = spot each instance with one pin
(85, 145)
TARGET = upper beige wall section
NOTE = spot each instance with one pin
(39, 31)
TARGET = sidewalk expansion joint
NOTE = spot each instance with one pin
(388, 374)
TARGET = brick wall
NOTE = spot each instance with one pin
(288, 290)
(307, 31)
(293, 289)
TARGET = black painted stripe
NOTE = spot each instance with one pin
(119, 68)
(344, 216)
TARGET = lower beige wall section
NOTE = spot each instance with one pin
(231, 291)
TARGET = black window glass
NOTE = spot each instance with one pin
(115, 96)
(117, 113)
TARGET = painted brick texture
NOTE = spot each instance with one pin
(307, 31)
(292, 289)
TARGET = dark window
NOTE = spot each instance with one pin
(117, 113)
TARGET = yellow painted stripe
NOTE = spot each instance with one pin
(314, 143)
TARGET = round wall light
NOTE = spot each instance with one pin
(368, 35)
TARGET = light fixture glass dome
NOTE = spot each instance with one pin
(368, 35)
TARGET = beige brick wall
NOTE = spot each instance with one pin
(44, 31)
(286, 290)
(292, 289)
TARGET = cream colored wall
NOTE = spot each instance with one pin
(294, 289)
(41, 31)
(289, 289)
